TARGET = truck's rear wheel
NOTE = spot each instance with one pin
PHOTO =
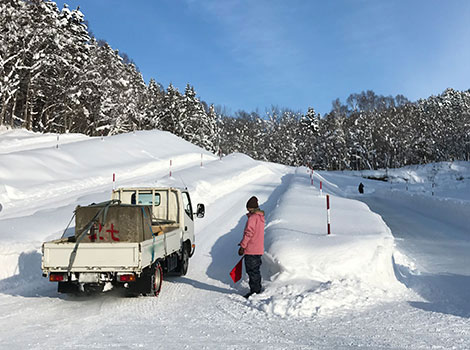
(156, 280)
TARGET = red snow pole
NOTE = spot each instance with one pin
(321, 188)
(170, 166)
(328, 213)
(57, 146)
(114, 181)
(236, 272)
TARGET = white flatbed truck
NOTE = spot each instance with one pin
(127, 242)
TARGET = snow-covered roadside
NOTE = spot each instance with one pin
(316, 273)
(17, 140)
(41, 177)
(428, 205)
(446, 180)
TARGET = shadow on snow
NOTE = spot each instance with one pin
(444, 293)
(29, 281)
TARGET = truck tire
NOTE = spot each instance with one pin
(149, 283)
(156, 280)
(183, 262)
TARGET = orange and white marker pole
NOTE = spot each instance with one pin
(328, 214)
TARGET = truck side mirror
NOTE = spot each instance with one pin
(201, 210)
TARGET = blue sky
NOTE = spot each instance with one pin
(253, 54)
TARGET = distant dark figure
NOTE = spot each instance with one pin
(361, 188)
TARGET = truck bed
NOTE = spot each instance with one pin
(105, 257)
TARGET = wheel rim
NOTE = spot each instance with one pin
(157, 280)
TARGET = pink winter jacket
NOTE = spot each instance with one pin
(253, 236)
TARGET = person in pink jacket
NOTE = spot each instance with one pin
(252, 245)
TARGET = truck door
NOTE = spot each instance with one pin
(188, 224)
(173, 238)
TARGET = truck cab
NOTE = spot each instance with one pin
(171, 208)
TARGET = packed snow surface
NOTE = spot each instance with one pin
(372, 283)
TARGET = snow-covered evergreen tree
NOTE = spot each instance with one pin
(307, 139)
(153, 103)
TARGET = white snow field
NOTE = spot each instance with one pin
(398, 280)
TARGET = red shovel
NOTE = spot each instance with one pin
(236, 272)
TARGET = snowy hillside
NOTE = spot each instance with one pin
(319, 288)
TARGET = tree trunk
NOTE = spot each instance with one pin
(27, 115)
(3, 111)
(13, 111)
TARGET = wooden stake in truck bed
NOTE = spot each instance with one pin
(127, 242)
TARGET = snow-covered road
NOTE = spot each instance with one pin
(439, 246)
(437, 243)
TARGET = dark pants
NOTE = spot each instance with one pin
(252, 265)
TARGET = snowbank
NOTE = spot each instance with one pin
(34, 177)
(16, 140)
(316, 273)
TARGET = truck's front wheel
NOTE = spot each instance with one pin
(183, 262)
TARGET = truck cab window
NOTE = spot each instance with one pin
(187, 205)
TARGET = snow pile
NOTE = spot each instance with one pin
(316, 273)
(20, 140)
(44, 172)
